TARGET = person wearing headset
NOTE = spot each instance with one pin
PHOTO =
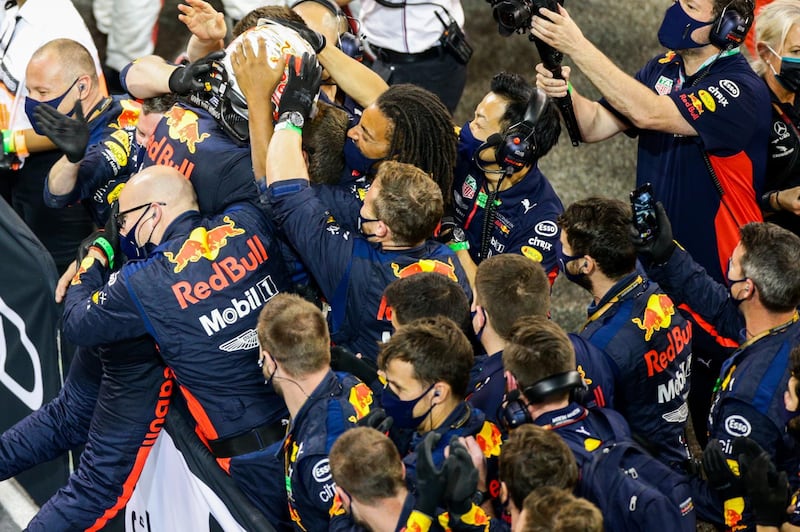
(778, 63)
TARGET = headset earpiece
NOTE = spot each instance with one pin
(517, 149)
(730, 28)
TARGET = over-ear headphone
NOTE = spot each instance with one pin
(515, 412)
(348, 42)
(516, 149)
(730, 27)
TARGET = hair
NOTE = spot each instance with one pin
(295, 333)
(73, 58)
(515, 90)
(538, 348)
(159, 104)
(366, 464)
(793, 426)
(437, 349)
(770, 261)
(534, 457)
(551, 509)
(276, 13)
(427, 294)
(323, 141)
(421, 132)
(408, 202)
(773, 24)
(510, 286)
(600, 228)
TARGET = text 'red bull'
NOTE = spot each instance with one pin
(426, 265)
(203, 243)
(678, 338)
(226, 271)
(657, 315)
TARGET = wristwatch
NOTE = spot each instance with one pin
(458, 235)
(294, 118)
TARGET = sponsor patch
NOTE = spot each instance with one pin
(322, 471)
(546, 228)
(532, 253)
(664, 85)
(729, 87)
(737, 425)
(707, 100)
(469, 188)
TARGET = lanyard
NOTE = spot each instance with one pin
(622, 293)
(728, 366)
(706, 63)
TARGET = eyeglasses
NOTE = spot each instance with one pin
(120, 217)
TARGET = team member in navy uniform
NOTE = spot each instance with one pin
(539, 350)
(777, 40)
(400, 211)
(295, 357)
(647, 342)
(759, 305)
(197, 295)
(523, 218)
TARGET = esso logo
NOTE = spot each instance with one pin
(546, 228)
(322, 471)
(737, 426)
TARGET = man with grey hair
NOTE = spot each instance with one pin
(759, 305)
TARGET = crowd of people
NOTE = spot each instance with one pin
(286, 239)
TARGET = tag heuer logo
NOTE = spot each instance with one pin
(469, 187)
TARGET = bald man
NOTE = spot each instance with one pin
(196, 286)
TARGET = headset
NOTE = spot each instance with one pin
(515, 412)
(348, 42)
(730, 27)
(516, 148)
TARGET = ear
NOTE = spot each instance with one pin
(763, 51)
(588, 266)
(503, 492)
(344, 498)
(511, 381)
(441, 391)
(381, 229)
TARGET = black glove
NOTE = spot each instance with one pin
(184, 80)
(446, 227)
(302, 85)
(71, 135)
(431, 481)
(106, 240)
(343, 360)
(768, 490)
(659, 249)
(111, 233)
(719, 474)
(316, 40)
(462, 479)
(377, 419)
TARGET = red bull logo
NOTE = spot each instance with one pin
(161, 152)
(184, 126)
(734, 508)
(668, 57)
(129, 116)
(84, 265)
(203, 243)
(489, 439)
(337, 508)
(417, 522)
(698, 105)
(361, 399)
(678, 339)
(426, 265)
(657, 315)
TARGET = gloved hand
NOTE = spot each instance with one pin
(462, 479)
(316, 40)
(768, 490)
(431, 481)
(71, 135)
(106, 240)
(343, 360)
(184, 80)
(659, 249)
(302, 85)
(719, 474)
(377, 419)
(111, 233)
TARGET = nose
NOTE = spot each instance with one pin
(353, 133)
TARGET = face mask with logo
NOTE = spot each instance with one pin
(789, 76)
(128, 244)
(31, 104)
(402, 412)
(677, 27)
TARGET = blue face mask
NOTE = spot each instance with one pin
(361, 222)
(402, 412)
(677, 27)
(563, 260)
(467, 141)
(355, 160)
(31, 104)
(128, 244)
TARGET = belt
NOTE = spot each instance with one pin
(390, 56)
(254, 440)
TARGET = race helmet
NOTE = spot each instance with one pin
(223, 98)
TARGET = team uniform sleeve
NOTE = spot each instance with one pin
(324, 246)
(100, 313)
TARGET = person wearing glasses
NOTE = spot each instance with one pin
(195, 286)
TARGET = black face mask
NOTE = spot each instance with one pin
(789, 76)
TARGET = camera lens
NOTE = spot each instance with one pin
(512, 15)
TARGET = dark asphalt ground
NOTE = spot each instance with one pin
(625, 31)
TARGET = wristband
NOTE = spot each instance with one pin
(280, 126)
(458, 246)
(8, 141)
(766, 201)
(569, 87)
(103, 245)
(20, 145)
(778, 201)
